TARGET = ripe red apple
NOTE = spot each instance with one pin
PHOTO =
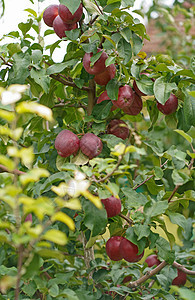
(180, 279)
(129, 251)
(103, 97)
(91, 145)
(118, 128)
(67, 143)
(135, 107)
(50, 13)
(67, 16)
(170, 105)
(104, 77)
(125, 97)
(113, 248)
(60, 27)
(152, 260)
(112, 206)
(98, 67)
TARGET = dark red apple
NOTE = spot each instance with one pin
(170, 105)
(98, 67)
(118, 128)
(125, 97)
(113, 248)
(180, 279)
(104, 77)
(127, 279)
(67, 143)
(50, 13)
(60, 27)
(67, 16)
(129, 251)
(152, 260)
(91, 145)
(112, 206)
(135, 107)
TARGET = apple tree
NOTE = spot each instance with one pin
(97, 159)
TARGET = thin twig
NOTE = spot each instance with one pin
(15, 172)
(98, 7)
(69, 83)
(5, 62)
(126, 218)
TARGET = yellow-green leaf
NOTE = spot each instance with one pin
(33, 107)
(55, 236)
(7, 162)
(7, 115)
(60, 190)
(33, 175)
(94, 199)
(62, 217)
(185, 135)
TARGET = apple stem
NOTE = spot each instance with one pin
(91, 96)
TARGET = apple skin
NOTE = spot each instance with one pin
(67, 16)
(113, 248)
(152, 260)
(50, 13)
(67, 143)
(129, 251)
(104, 77)
(98, 67)
(180, 279)
(112, 206)
(118, 128)
(170, 105)
(60, 27)
(103, 97)
(135, 107)
(125, 97)
(127, 279)
(91, 145)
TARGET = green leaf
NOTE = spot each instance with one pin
(141, 230)
(132, 237)
(73, 34)
(185, 135)
(25, 27)
(111, 140)
(54, 290)
(179, 177)
(164, 250)
(19, 71)
(31, 11)
(95, 219)
(133, 199)
(145, 85)
(41, 78)
(124, 50)
(189, 109)
(137, 44)
(72, 5)
(163, 89)
(55, 236)
(102, 110)
(184, 293)
(153, 112)
(152, 209)
(177, 218)
(57, 68)
(112, 89)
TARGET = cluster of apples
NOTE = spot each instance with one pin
(61, 19)
(68, 143)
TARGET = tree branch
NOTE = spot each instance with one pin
(183, 269)
(69, 83)
(15, 172)
(149, 274)
(91, 96)
(19, 269)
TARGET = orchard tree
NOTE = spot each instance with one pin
(97, 160)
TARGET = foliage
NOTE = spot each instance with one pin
(61, 252)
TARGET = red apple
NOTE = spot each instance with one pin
(98, 67)
(135, 107)
(118, 128)
(112, 206)
(67, 16)
(91, 145)
(104, 77)
(152, 260)
(67, 143)
(170, 105)
(127, 279)
(125, 97)
(113, 248)
(103, 97)
(50, 13)
(180, 279)
(60, 27)
(129, 251)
